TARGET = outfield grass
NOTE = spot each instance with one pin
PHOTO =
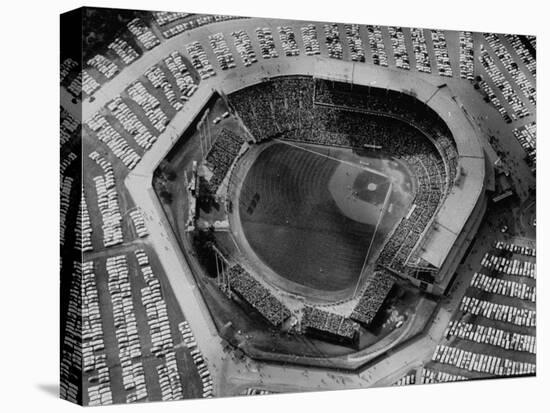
(311, 217)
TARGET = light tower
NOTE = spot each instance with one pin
(205, 140)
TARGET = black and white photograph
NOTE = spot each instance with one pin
(253, 206)
(325, 206)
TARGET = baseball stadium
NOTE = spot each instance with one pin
(273, 206)
(313, 207)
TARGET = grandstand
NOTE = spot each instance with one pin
(318, 111)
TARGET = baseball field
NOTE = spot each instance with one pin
(314, 215)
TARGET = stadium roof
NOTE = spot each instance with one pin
(454, 212)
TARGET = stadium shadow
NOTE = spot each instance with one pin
(51, 389)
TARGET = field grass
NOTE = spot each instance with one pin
(311, 217)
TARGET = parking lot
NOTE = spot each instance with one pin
(494, 330)
(140, 368)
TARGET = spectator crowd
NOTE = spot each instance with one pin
(372, 298)
(255, 294)
(333, 114)
(326, 322)
(223, 152)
